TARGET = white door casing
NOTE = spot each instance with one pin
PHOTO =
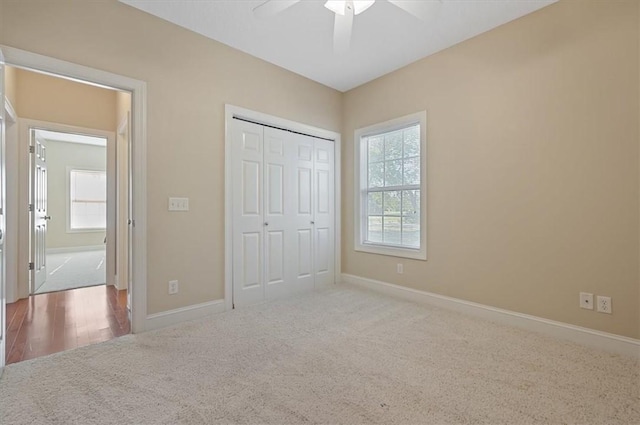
(283, 207)
(39, 217)
(3, 288)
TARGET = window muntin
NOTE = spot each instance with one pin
(88, 200)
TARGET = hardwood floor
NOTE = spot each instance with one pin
(48, 323)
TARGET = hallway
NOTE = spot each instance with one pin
(48, 323)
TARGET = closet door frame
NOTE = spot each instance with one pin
(232, 112)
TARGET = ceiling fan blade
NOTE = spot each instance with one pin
(272, 7)
(342, 27)
(424, 9)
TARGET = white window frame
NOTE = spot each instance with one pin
(360, 177)
(68, 206)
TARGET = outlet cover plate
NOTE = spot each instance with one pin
(604, 304)
(586, 300)
(173, 287)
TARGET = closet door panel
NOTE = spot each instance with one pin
(279, 173)
(303, 215)
(324, 212)
(247, 199)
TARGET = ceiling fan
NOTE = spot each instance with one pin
(345, 10)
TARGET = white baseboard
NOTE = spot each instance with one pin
(179, 315)
(585, 336)
(66, 249)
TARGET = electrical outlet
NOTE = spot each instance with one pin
(400, 268)
(178, 204)
(586, 300)
(604, 304)
(173, 287)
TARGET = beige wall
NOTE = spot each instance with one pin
(45, 98)
(10, 85)
(190, 78)
(532, 165)
(60, 157)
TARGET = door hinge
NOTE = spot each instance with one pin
(30, 207)
(31, 266)
(32, 149)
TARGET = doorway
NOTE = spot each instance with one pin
(69, 237)
(137, 227)
(68, 291)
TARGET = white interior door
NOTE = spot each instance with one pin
(248, 218)
(3, 289)
(39, 215)
(324, 212)
(279, 152)
(302, 254)
(283, 207)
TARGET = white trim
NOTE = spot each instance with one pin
(11, 204)
(66, 249)
(360, 176)
(138, 91)
(10, 112)
(259, 117)
(585, 336)
(183, 314)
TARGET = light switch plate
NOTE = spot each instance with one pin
(178, 204)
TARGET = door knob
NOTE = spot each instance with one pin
(313, 222)
(266, 223)
(47, 217)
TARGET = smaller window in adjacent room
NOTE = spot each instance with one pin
(88, 200)
(390, 183)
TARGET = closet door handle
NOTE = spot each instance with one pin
(266, 223)
(313, 222)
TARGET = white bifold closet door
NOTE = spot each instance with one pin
(283, 213)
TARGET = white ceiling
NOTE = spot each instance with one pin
(300, 39)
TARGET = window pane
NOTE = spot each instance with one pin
(376, 174)
(411, 218)
(392, 203)
(412, 141)
(88, 185)
(374, 230)
(375, 204)
(412, 171)
(393, 145)
(411, 202)
(411, 231)
(376, 149)
(393, 173)
(391, 234)
(88, 192)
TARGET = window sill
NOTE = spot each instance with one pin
(86, 230)
(415, 254)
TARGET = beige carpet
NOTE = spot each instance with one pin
(336, 356)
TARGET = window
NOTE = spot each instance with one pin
(88, 200)
(390, 208)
